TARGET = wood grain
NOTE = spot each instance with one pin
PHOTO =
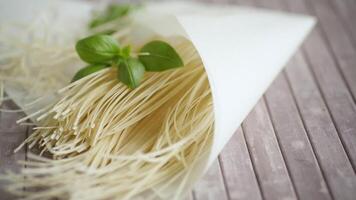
(331, 84)
(346, 9)
(339, 41)
(11, 135)
(211, 186)
(240, 178)
(267, 158)
(308, 177)
(322, 133)
(299, 155)
(315, 116)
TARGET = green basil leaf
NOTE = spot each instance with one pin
(112, 12)
(97, 49)
(131, 72)
(107, 32)
(159, 56)
(126, 51)
(87, 70)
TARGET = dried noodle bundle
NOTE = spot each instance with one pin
(110, 142)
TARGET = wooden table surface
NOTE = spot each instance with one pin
(299, 142)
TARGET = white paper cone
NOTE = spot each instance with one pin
(242, 49)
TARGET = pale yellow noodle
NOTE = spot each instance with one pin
(110, 142)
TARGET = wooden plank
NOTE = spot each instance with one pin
(211, 186)
(299, 154)
(346, 9)
(266, 156)
(243, 2)
(270, 4)
(333, 160)
(323, 135)
(268, 162)
(296, 148)
(326, 143)
(11, 135)
(238, 171)
(331, 84)
(339, 41)
(263, 146)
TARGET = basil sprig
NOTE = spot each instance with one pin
(101, 51)
(112, 12)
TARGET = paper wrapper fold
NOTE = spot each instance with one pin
(243, 50)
